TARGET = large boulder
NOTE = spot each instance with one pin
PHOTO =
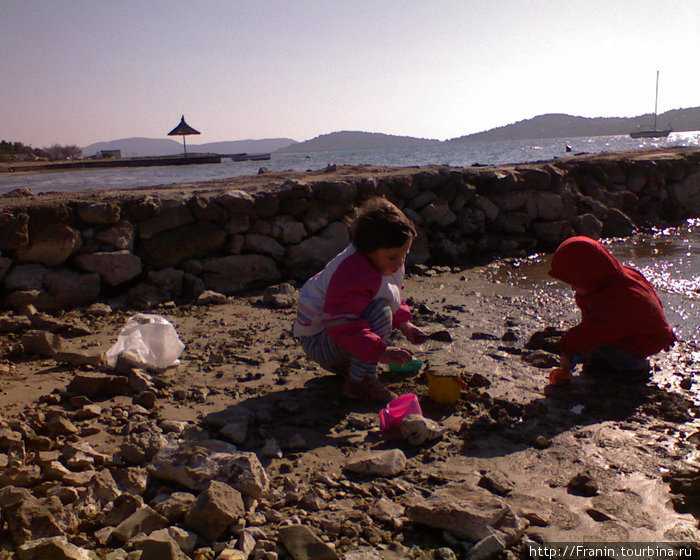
(51, 246)
(235, 273)
(171, 247)
(311, 255)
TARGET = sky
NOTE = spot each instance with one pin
(77, 72)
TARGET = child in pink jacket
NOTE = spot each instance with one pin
(347, 311)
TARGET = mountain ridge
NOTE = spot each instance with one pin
(561, 125)
(549, 125)
(356, 140)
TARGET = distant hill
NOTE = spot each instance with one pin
(353, 140)
(137, 147)
(131, 147)
(553, 125)
(562, 126)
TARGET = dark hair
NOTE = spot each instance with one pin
(379, 224)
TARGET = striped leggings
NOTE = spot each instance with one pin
(321, 349)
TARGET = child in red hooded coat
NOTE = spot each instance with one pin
(622, 319)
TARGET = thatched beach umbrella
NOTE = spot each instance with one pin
(183, 129)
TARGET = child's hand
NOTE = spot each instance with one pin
(560, 376)
(395, 355)
(413, 334)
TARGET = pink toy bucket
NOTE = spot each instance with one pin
(395, 411)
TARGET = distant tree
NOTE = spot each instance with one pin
(56, 152)
(14, 148)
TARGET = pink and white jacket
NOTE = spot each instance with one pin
(335, 298)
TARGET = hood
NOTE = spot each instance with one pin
(583, 262)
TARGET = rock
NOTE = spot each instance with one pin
(237, 432)
(174, 214)
(104, 487)
(98, 385)
(52, 245)
(32, 518)
(583, 484)
(271, 448)
(588, 225)
(20, 475)
(194, 464)
(617, 224)
(71, 289)
(303, 544)
(388, 511)
(140, 380)
(100, 213)
(159, 545)
(471, 514)
(14, 230)
(486, 548)
(58, 423)
(438, 212)
(546, 206)
(53, 548)
(312, 254)
(235, 273)
(174, 506)
(280, 296)
(496, 482)
(93, 358)
(42, 343)
(114, 268)
(418, 429)
(145, 519)
(548, 340)
(14, 324)
(289, 232)
(119, 237)
(263, 244)
(210, 297)
(174, 246)
(377, 463)
(124, 505)
(236, 202)
(215, 509)
(232, 553)
(541, 359)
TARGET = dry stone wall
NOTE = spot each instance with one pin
(60, 251)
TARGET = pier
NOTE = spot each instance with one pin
(190, 159)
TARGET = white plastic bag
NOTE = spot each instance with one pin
(147, 341)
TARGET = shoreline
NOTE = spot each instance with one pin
(172, 242)
(143, 161)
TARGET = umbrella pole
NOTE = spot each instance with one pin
(184, 143)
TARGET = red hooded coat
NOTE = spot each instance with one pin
(619, 308)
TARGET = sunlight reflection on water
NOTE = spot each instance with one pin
(669, 259)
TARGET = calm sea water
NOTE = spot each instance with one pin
(463, 155)
(670, 258)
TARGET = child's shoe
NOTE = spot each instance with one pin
(370, 389)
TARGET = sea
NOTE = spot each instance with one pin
(670, 258)
(454, 155)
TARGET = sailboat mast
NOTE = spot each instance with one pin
(656, 99)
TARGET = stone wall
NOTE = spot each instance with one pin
(142, 247)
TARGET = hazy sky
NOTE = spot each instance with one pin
(78, 72)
